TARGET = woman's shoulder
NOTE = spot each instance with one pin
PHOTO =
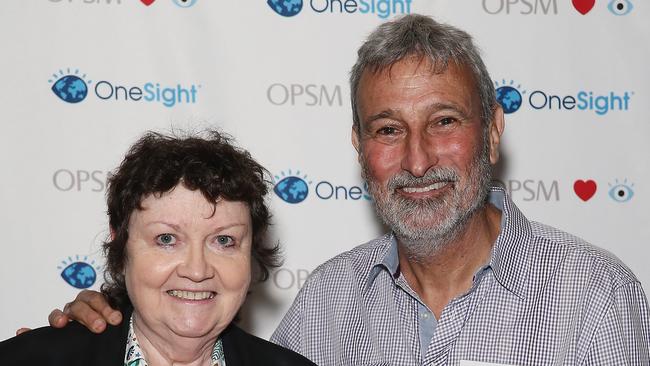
(242, 348)
(71, 345)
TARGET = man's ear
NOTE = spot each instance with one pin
(113, 234)
(495, 132)
(355, 140)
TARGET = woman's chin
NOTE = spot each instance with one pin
(188, 323)
(196, 327)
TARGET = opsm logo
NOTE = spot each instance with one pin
(311, 95)
(73, 86)
(550, 7)
(179, 3)
(512, 96)
(382, 8)
(294, 186)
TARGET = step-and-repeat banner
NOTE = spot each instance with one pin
(81, 80)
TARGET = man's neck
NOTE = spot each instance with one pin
(450, 271)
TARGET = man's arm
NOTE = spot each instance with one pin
(623, 336)
(90, 308)
(288, 332)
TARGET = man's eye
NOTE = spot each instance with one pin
(225, 240)
(388, 130)
(446, 121)
(166, 239)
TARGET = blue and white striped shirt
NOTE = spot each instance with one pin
(546, 298)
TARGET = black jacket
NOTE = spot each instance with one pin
(76, 345)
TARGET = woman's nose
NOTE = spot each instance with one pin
(195, 265)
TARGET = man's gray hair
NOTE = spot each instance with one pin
(419, 35)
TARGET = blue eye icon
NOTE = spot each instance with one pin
(509, 95)
(291, 188)
(184, 3)
(70, 86)
(621, 192)
(286, 8)
(620, 7)
(79, 273)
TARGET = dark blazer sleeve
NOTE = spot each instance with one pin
(243, 349)
(70, 346)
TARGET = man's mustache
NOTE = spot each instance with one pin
(433, 175)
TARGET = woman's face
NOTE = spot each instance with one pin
(188, 263)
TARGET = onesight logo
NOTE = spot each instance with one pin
(72, 86)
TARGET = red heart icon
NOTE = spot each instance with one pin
(147, 2)
(585, 189)
(583, 6)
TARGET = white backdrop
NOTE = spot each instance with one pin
(279, 85)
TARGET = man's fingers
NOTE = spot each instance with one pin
(98, 303)
(84, 314)
(22, 330)
(114, 317)
(57, 319)
(90, 308)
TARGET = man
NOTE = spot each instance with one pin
(463, 276)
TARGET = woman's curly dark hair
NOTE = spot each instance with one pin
(156, 164)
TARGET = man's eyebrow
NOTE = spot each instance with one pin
(460, 110)
(439, 106)
(431, 108)
(387, 113)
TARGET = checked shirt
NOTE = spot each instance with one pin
(545, 298)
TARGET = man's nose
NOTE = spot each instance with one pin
(419, 155)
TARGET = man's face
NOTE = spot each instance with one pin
(423, 148)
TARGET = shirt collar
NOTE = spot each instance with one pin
(386, 259)
(390, 259)
(135, 357)
(509, 257)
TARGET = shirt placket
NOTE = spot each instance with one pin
(416, 312)
(444, 331)
(451, 323)
(449, 327)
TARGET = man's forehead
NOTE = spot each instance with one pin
(389, 92)
(420, 72)
(419, 63)
(457, 73)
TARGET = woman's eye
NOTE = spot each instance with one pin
(225, 240)
(166, 239)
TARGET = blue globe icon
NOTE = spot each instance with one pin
(509, 98)
(286, 8)
(292, 189)
(79, 274)
(71, 89)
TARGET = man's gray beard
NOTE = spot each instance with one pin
(408, 218)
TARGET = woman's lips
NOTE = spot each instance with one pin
(192, 295)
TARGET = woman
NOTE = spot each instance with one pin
(187, 219)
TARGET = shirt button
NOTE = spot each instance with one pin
(424, 315)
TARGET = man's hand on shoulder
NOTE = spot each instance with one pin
(90, 308)
(20, 331)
